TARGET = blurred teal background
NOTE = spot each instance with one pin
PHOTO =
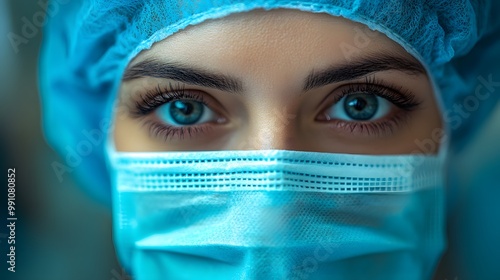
(61, 233)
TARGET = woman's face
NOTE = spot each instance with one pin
(279, 79)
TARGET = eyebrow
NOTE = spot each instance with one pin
(358, 68)
(361, 67)
(182, 73)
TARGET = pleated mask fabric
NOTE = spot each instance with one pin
(277, 214)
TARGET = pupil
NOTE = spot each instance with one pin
(186, 112)
(183, 107)
(358, 104)
(361, 106)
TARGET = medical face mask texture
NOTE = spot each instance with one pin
(275, 214)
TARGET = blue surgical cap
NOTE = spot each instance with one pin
(88, 43)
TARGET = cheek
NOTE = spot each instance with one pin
(429, 133)
(423, 133)
(131, 136)
(420, 133)
(429, 127)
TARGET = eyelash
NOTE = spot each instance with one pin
(157, 97)
(397, 95)
(400, 97)
(154, 98)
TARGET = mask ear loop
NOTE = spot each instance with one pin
(450, 194)
(110, 154)
(445, 131)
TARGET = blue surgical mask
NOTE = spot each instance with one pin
(277, 215)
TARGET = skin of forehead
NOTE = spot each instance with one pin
(253, 31)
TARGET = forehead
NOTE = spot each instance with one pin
(278, 40)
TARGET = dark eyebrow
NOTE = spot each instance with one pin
(349, 71)
(361, 67)
(181, 73)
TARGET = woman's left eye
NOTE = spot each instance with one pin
(185, 112)
(359, 107)
(369, 108)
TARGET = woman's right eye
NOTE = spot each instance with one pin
(175, 112)
(184, 112)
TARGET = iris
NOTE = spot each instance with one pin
(184, 112)
(361, 106)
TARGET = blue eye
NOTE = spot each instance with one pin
(185, 113)
(359, 107)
